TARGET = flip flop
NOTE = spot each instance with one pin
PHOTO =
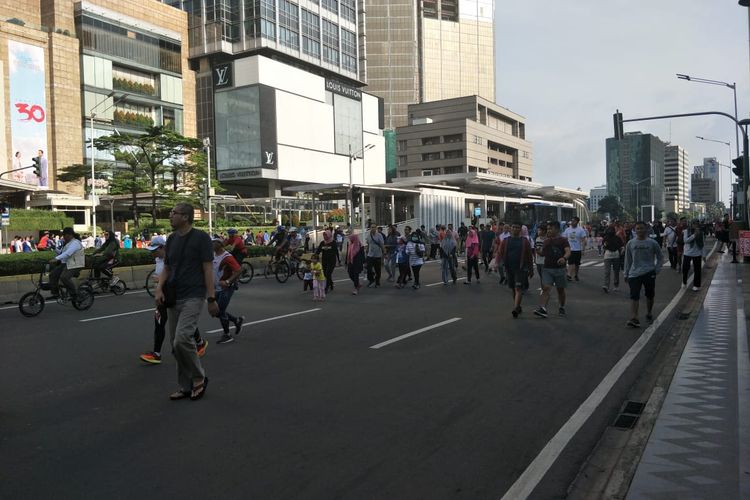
(179, 395)
(200, 390)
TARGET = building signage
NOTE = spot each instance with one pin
(230, 175)
(344, 90)
(223, 76)
(28, 111)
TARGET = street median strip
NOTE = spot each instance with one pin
(415, 332)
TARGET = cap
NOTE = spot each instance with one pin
(232, 231)
(156, 242)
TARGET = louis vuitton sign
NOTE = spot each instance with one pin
(344, 90)
(223, 76)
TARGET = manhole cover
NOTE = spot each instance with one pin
(633, 408)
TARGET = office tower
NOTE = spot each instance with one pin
(635, 170)
(676, 179)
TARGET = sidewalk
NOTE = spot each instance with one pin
(700, 445)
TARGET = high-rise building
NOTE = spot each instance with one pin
(710, 170)
(703, 189)
(278, 94)
(676, 179)
(635, 170)
(595, 196)
(425, 51)
(462, 135)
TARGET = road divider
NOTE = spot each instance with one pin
(415, 332)
(274, 318)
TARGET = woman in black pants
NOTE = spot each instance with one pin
(355, 261)
(328, 251)
(693, 253)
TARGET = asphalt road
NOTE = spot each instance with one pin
(301, 406)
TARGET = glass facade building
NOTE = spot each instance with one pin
(635, 170)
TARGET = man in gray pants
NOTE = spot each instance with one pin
(185, 283)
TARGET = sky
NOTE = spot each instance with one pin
(567, 66)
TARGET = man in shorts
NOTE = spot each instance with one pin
(643, 261)
(517, 256)
(556, 252)
(576, 236)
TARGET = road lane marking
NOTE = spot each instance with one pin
(269, 319)
(117, 315)
(415, 332)
(589, 263)
(538, 468)
(440, 282)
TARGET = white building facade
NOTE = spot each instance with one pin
(676, 179)
(595, 196)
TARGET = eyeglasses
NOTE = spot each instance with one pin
(171, 213)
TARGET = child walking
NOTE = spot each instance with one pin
(319, 280)
(308, 278)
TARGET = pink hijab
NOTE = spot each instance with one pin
(472, 238)
(354, 246)
(327, 237)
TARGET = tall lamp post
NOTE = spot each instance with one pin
(352, 157)
(729, 145)
(93, 154)
(637, 185)
(207, 146)
(732, 86)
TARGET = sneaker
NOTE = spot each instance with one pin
(650, 317)
(201, 348)
(225, 339)
(354, 292)
(515, 312)
(371, 284)
(151, 357)
(605, 289)
(569, 278)
(616, 288)
(541, 312)
(238, 325)
(576, 278)
(696, 288)
(467, 282)
(561, 311)
(633, 323)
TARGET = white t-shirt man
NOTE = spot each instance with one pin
(576, 237)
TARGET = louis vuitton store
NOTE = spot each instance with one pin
(277, 125)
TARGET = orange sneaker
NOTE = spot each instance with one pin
(151, 357)
(201, 348)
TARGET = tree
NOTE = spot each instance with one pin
(157, 151)
(610, 205)
(189, 181)
(716, 210)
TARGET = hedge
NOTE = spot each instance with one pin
(37, 220)
(30, 263)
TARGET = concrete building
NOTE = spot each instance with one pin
(279, 95)
(463, 135)
(710, 170)
(425, 51)
(676, 179)
(635, 170)
(59, 60)
(703, 189)
(595, 196)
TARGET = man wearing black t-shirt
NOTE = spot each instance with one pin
(188, 278)
(556, 252)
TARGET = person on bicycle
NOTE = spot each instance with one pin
(280, 242)
(295, 242)
(235, 245)
(70, 260)
(110, 251)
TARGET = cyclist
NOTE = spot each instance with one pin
(280, 242)
(110, 251)
(235, 245)
(70, 260)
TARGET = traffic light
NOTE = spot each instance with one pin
(37, 166)
(617, 119)
(739, 164)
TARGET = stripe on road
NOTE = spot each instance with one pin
(415, 332)
(269, 319)
(440, 282)
(116, 315)
(590, 263)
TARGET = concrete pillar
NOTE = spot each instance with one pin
(393, 209)
(362, 211)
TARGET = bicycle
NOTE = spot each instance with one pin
(297, 265)
(106, 283)
(151, 282)
(32, 303)
(247, 272)
(279, 268)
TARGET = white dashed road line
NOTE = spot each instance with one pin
(415, 332)
(116, 315)
(270, 319)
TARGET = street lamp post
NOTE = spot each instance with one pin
(207, 145)
(732, 86)
(350, 200)
(637, 185)
(93, 154)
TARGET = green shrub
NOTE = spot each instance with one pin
(31, 263)
(259, 251)
(37, 220)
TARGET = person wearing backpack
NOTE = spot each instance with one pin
(613, 249)
(693, 254)
(415, 250)
(447, 256)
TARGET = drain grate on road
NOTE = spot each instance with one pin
(629, 415)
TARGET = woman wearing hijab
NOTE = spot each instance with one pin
(328, 251)
(472, 255)
(447, 256)
(355, 261)
(415, 250)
